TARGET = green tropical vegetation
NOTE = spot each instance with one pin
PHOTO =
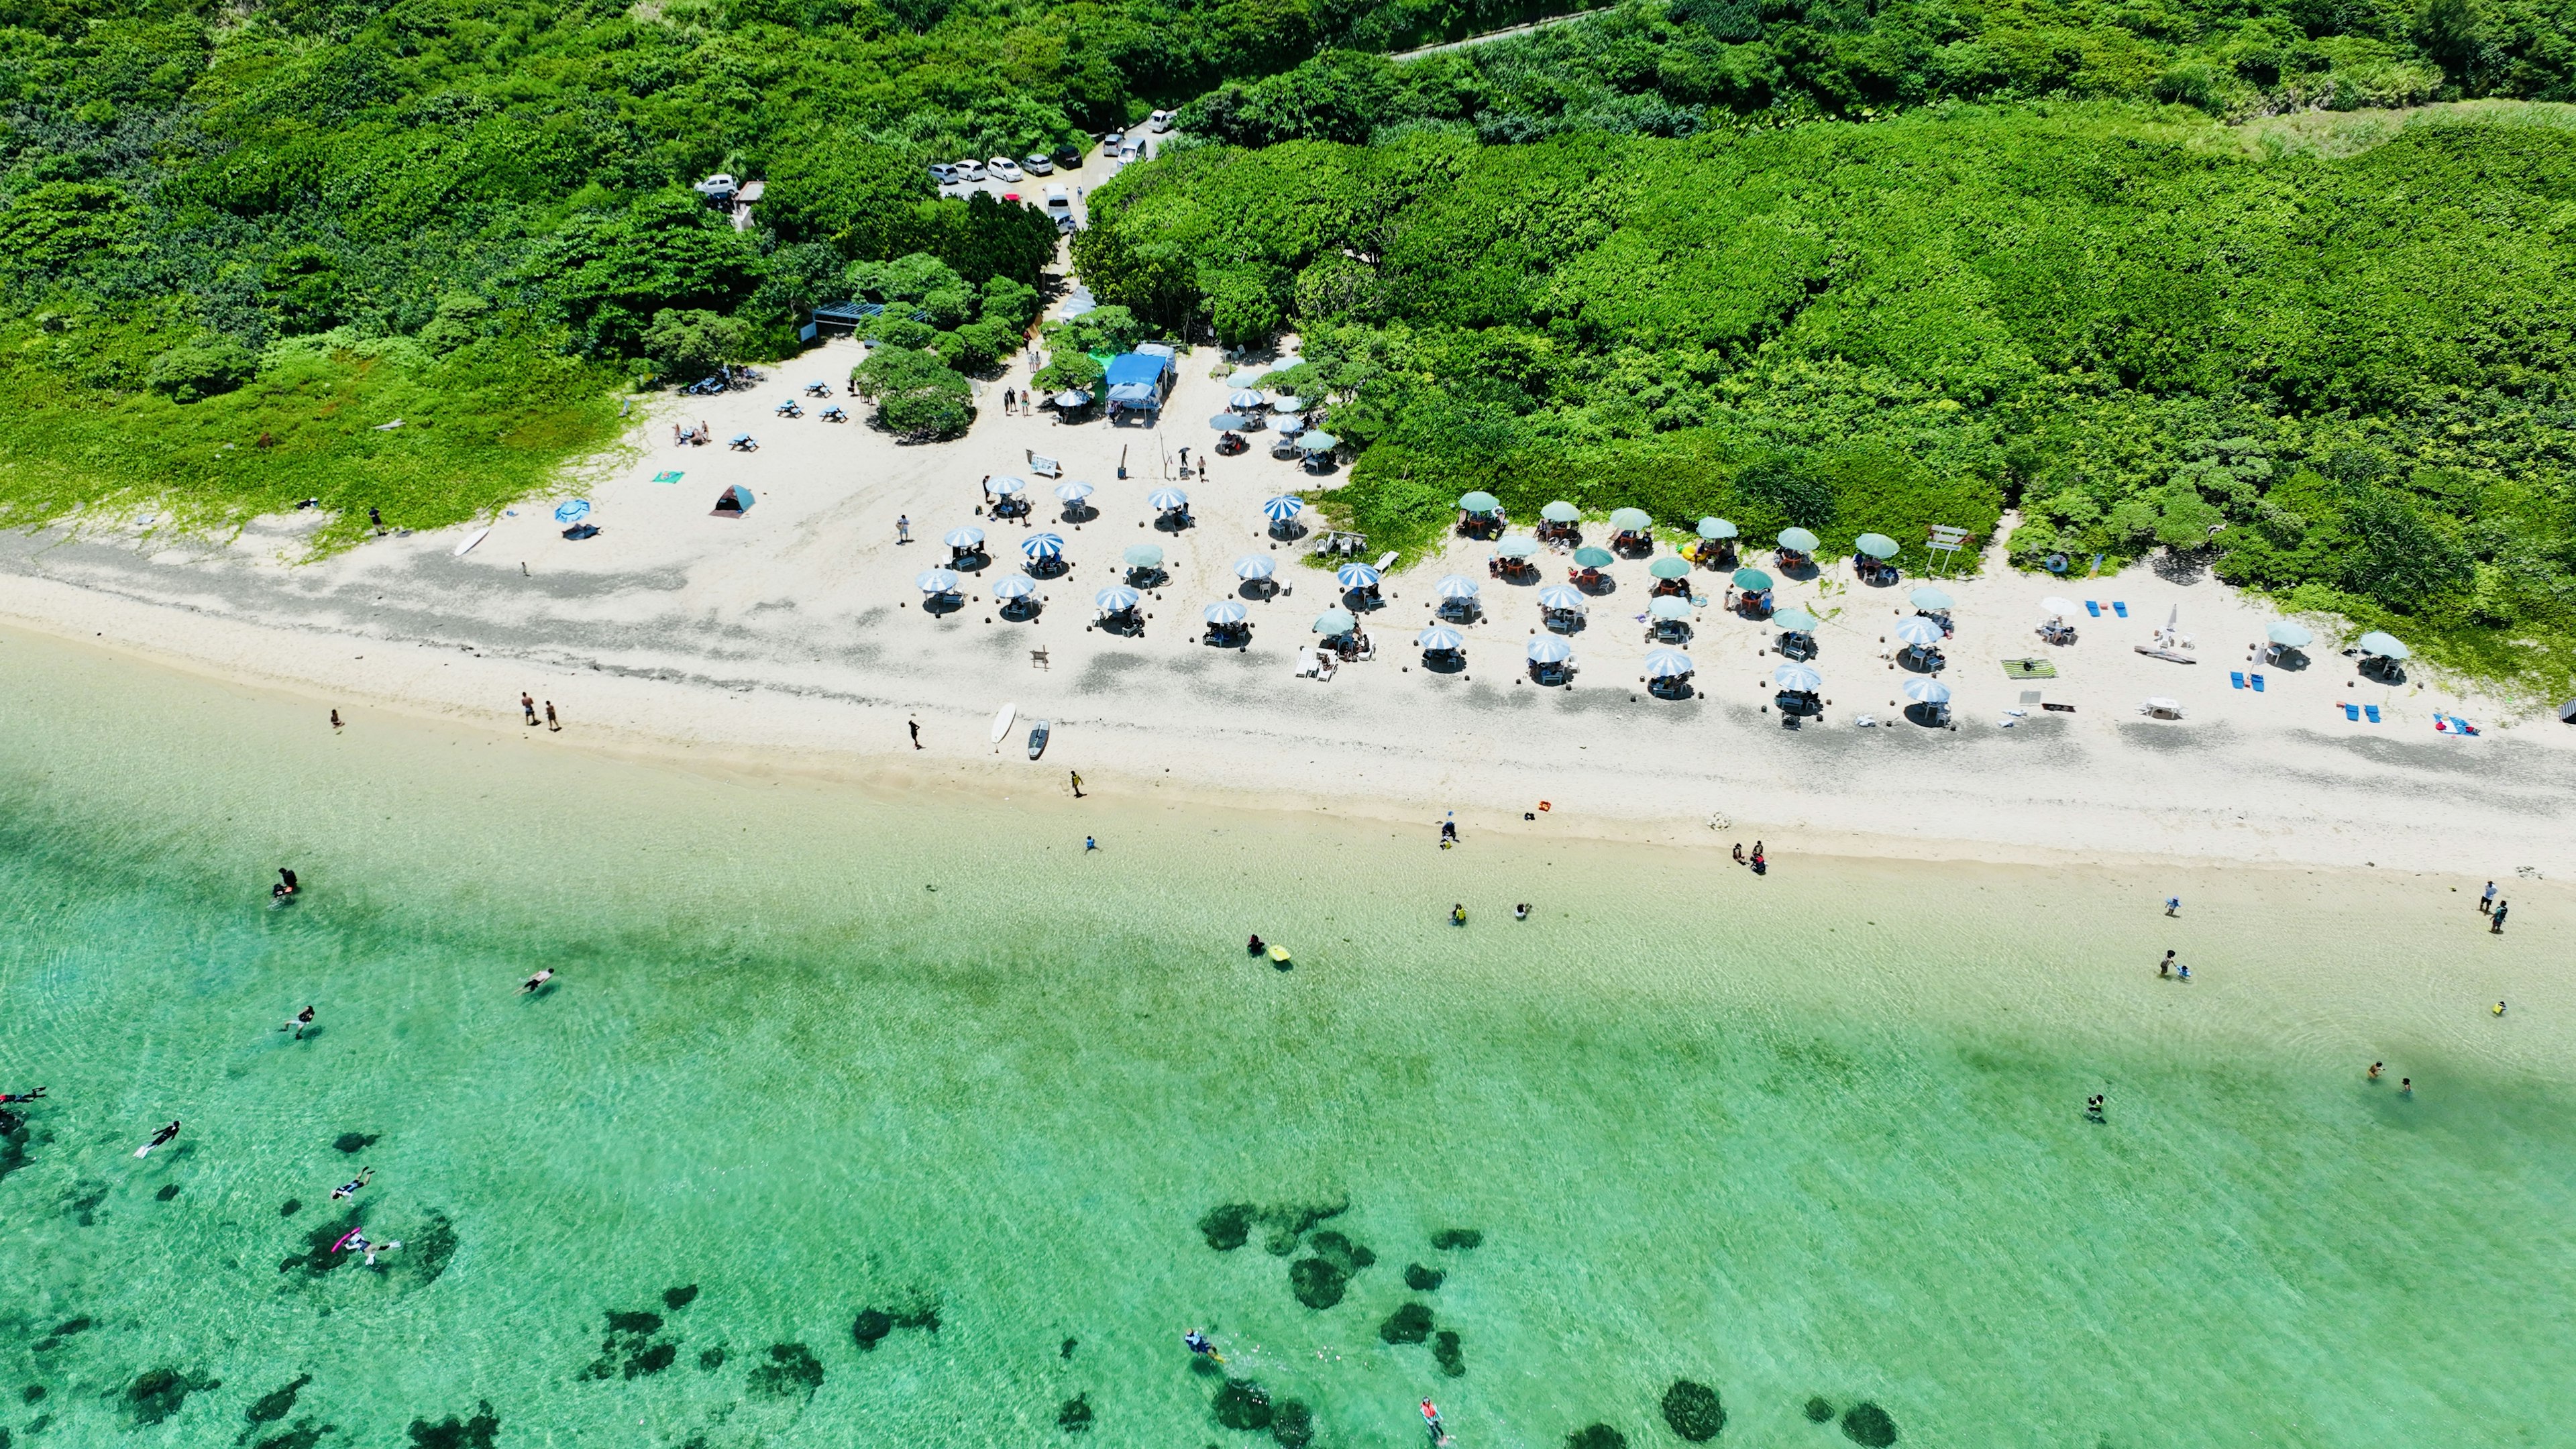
(2345, 380)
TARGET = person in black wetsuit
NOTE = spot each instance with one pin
(286, 885)
(1253, 947)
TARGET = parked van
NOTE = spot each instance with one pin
(1159, 122)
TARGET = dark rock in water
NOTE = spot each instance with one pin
(793, 1372)
(644, 1324)
(47, 1345)
(1452, 1238)
(923, 1314)
(1066, 1351)
(70, 1326)
(1408, 1324)
(1596, 1436)
(871, 1326)
(85, 1205)
(168, 1191)
(304, 1435)
(1294, 1425)
(1228, 1226)
(355, 1141)
(317, 1257)
(1693, 1410)
(156, 1395)
(273, 1406)
(13, 1150)
(450, 1433)
(1819, 1411)
(33, 1393)
(1867, 1424)
(431, 1247)
(1340, 1251)
(1243, 1404)
(1289, 1222)
(290, 1207)
(711, 1359)
(10, 1121)
(1074, 1414)
(676, 1299)
(654, 1359)
(1317, 1284)
(1421, 1279)
(1445, 1352)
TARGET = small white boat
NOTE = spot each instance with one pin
(1002, 722)
(477, 536)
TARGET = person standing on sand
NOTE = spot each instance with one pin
(335, 720)
(1077, 783)
(2495, 919)
(2486, 902)
(1090, 844)
(915, 726)
(2173, 905)
(902, 529)
(987, 486)
(528, 706)
(550, 717)
(1739, 852)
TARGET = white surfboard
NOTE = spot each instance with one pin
(1002, 722)
(467, 546)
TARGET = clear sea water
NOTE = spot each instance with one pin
(818, 1048)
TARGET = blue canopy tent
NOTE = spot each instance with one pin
(734, 502)
(1138, 381)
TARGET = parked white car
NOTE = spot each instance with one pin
(1036, 164)
(1059, 204)
(1159, 122)
(1003, 168)
(967, 171)
(941, 173)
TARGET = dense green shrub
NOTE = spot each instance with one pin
(918, 397)
(201, 368)
(687, 345)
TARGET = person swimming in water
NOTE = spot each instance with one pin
(297, 1023)
(351, 1187)
(1431, 1422)
(1198, 1344)
(158, 1138)
(286, 885)
(2499, 1008)
(2374, 1071)
(1521, 912)
(1253, 947)
(2406, 1086)
(8, 1097)
(533, 982)
(357, 1243)
(2093, 1107)
(1458, 914)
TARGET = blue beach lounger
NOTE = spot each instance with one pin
(2119, 608)
(2235, 679)
(2371, 710)
(2352, 711)
(2093, 608)
(2256, 680)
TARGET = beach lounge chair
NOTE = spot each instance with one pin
(2236, 679)
(1038, 660)
(1045, 467)
(2093, 608)
(2352, 712)
(2119, 608)
(2255, 680)
(2371, 710)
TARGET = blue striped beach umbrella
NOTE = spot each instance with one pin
(1283, 508)
(1667, 664)
(1549, 649)
(1441, 637)
(1562, 597)
(1455, 586)
(1255, 566)
(1356, 576)
(1224, 611)
(1927, 691)
(1116, 599)
(1797, 676)
(1043, 545)
(1072, 492)
(1014, 586)
(967, 537)
(936, 581)
(1246, 400)
(1167, 500)
(1918, 631)
(1008, 486)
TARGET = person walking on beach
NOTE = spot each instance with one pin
(550, 717)
(158, 1138)
(1760, 864)
(2486, 902)
(1077, 783)
(2173, 905)
(987, 486)
(335, 720)
(2165, 968)
(2495, 918)
(915, 726)
(902, 529)
(1089, 844)
(528, 706)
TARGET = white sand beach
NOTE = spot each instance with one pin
(793, 638)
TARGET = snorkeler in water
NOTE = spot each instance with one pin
(1198, 1344)
(350, 1188)
(158, 1138)
(8, 1097)
(533, 982)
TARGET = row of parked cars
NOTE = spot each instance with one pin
(1042, 163)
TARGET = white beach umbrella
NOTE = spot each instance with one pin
(1072, 492)
(1669, 606)
(2386, 646)
(1797, 677)
(1014, 586)
(1714, 528)
(1927, 691)
(936, 581)
(1255, 566)
(1115, 599)
(1928, 597)
(1224, 611)
(1006, 486)
(1516, 548)
(2289, 635)
(2057, 608)
(1332, 623)
(1918, 631)
(1667, 664)
(1455, 586)
(1440, 636)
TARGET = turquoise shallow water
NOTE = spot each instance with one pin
(818, 1049)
